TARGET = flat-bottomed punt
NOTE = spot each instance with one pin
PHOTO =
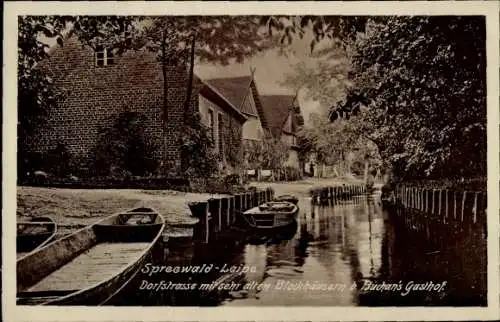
(271, 215)
(91, 265)
(288, 198)
(34, 234)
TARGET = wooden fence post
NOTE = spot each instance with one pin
(428, 201)
(214, 207)
(433, 201)
(225, 220)
(474, 209)
(201, 231)
(232, 209)
(271, 193)
(439, 208)
(243, 202)
(414, 198)
(463, 206)
(422, 199)
(454, 205)
(417, 198)
(237, 202)
(249, 200)
(446, 206)
(408, 200)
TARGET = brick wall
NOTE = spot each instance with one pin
(94, 97)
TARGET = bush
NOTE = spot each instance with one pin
(58, 161)
(125, 149)
(197, 150)
(27, 163)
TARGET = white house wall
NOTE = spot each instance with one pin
(252, 129)
(205, 106)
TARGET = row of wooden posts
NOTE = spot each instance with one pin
(325, 194)
(447, 224)
(218, 214)
(444, 205)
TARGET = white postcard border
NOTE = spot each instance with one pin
(16, 313)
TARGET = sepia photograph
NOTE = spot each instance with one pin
(252, 161)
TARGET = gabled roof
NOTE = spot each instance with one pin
(277, 108)
(236, 90)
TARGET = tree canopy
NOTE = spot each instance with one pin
(423, 80)
(219, 39)
(427, 75)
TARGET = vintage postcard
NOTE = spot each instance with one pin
(250, 161)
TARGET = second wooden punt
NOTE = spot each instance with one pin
(93, 264)
(288, 198)
(271, 215)
(34, 234)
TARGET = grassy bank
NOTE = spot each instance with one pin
(85, 206)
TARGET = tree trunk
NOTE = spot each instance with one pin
(187, 101)
(165, 93)
(190, 81)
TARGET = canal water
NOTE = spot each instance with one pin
(347, 253)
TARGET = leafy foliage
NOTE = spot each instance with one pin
(425, 80)
(197, 150)
(215, 37)
(338, 29)
(126, 147)
(270, 153)
(333, 143)
(422, 79)
(233, 142)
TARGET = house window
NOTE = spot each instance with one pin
(103, 56)
(210, 124)
(220, 134)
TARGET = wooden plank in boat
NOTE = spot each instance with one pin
(99, 263)
(256, 210)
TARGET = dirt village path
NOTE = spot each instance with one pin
(79, 207)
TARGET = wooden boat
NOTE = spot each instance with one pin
(274, 214)
(34, 234)
(91, 265)
(288, 198)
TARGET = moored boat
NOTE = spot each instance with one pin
(288, 198)
(34, 234)
(274, 214)
(91, 265)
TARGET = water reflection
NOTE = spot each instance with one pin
(334, 246)
(326, 259)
